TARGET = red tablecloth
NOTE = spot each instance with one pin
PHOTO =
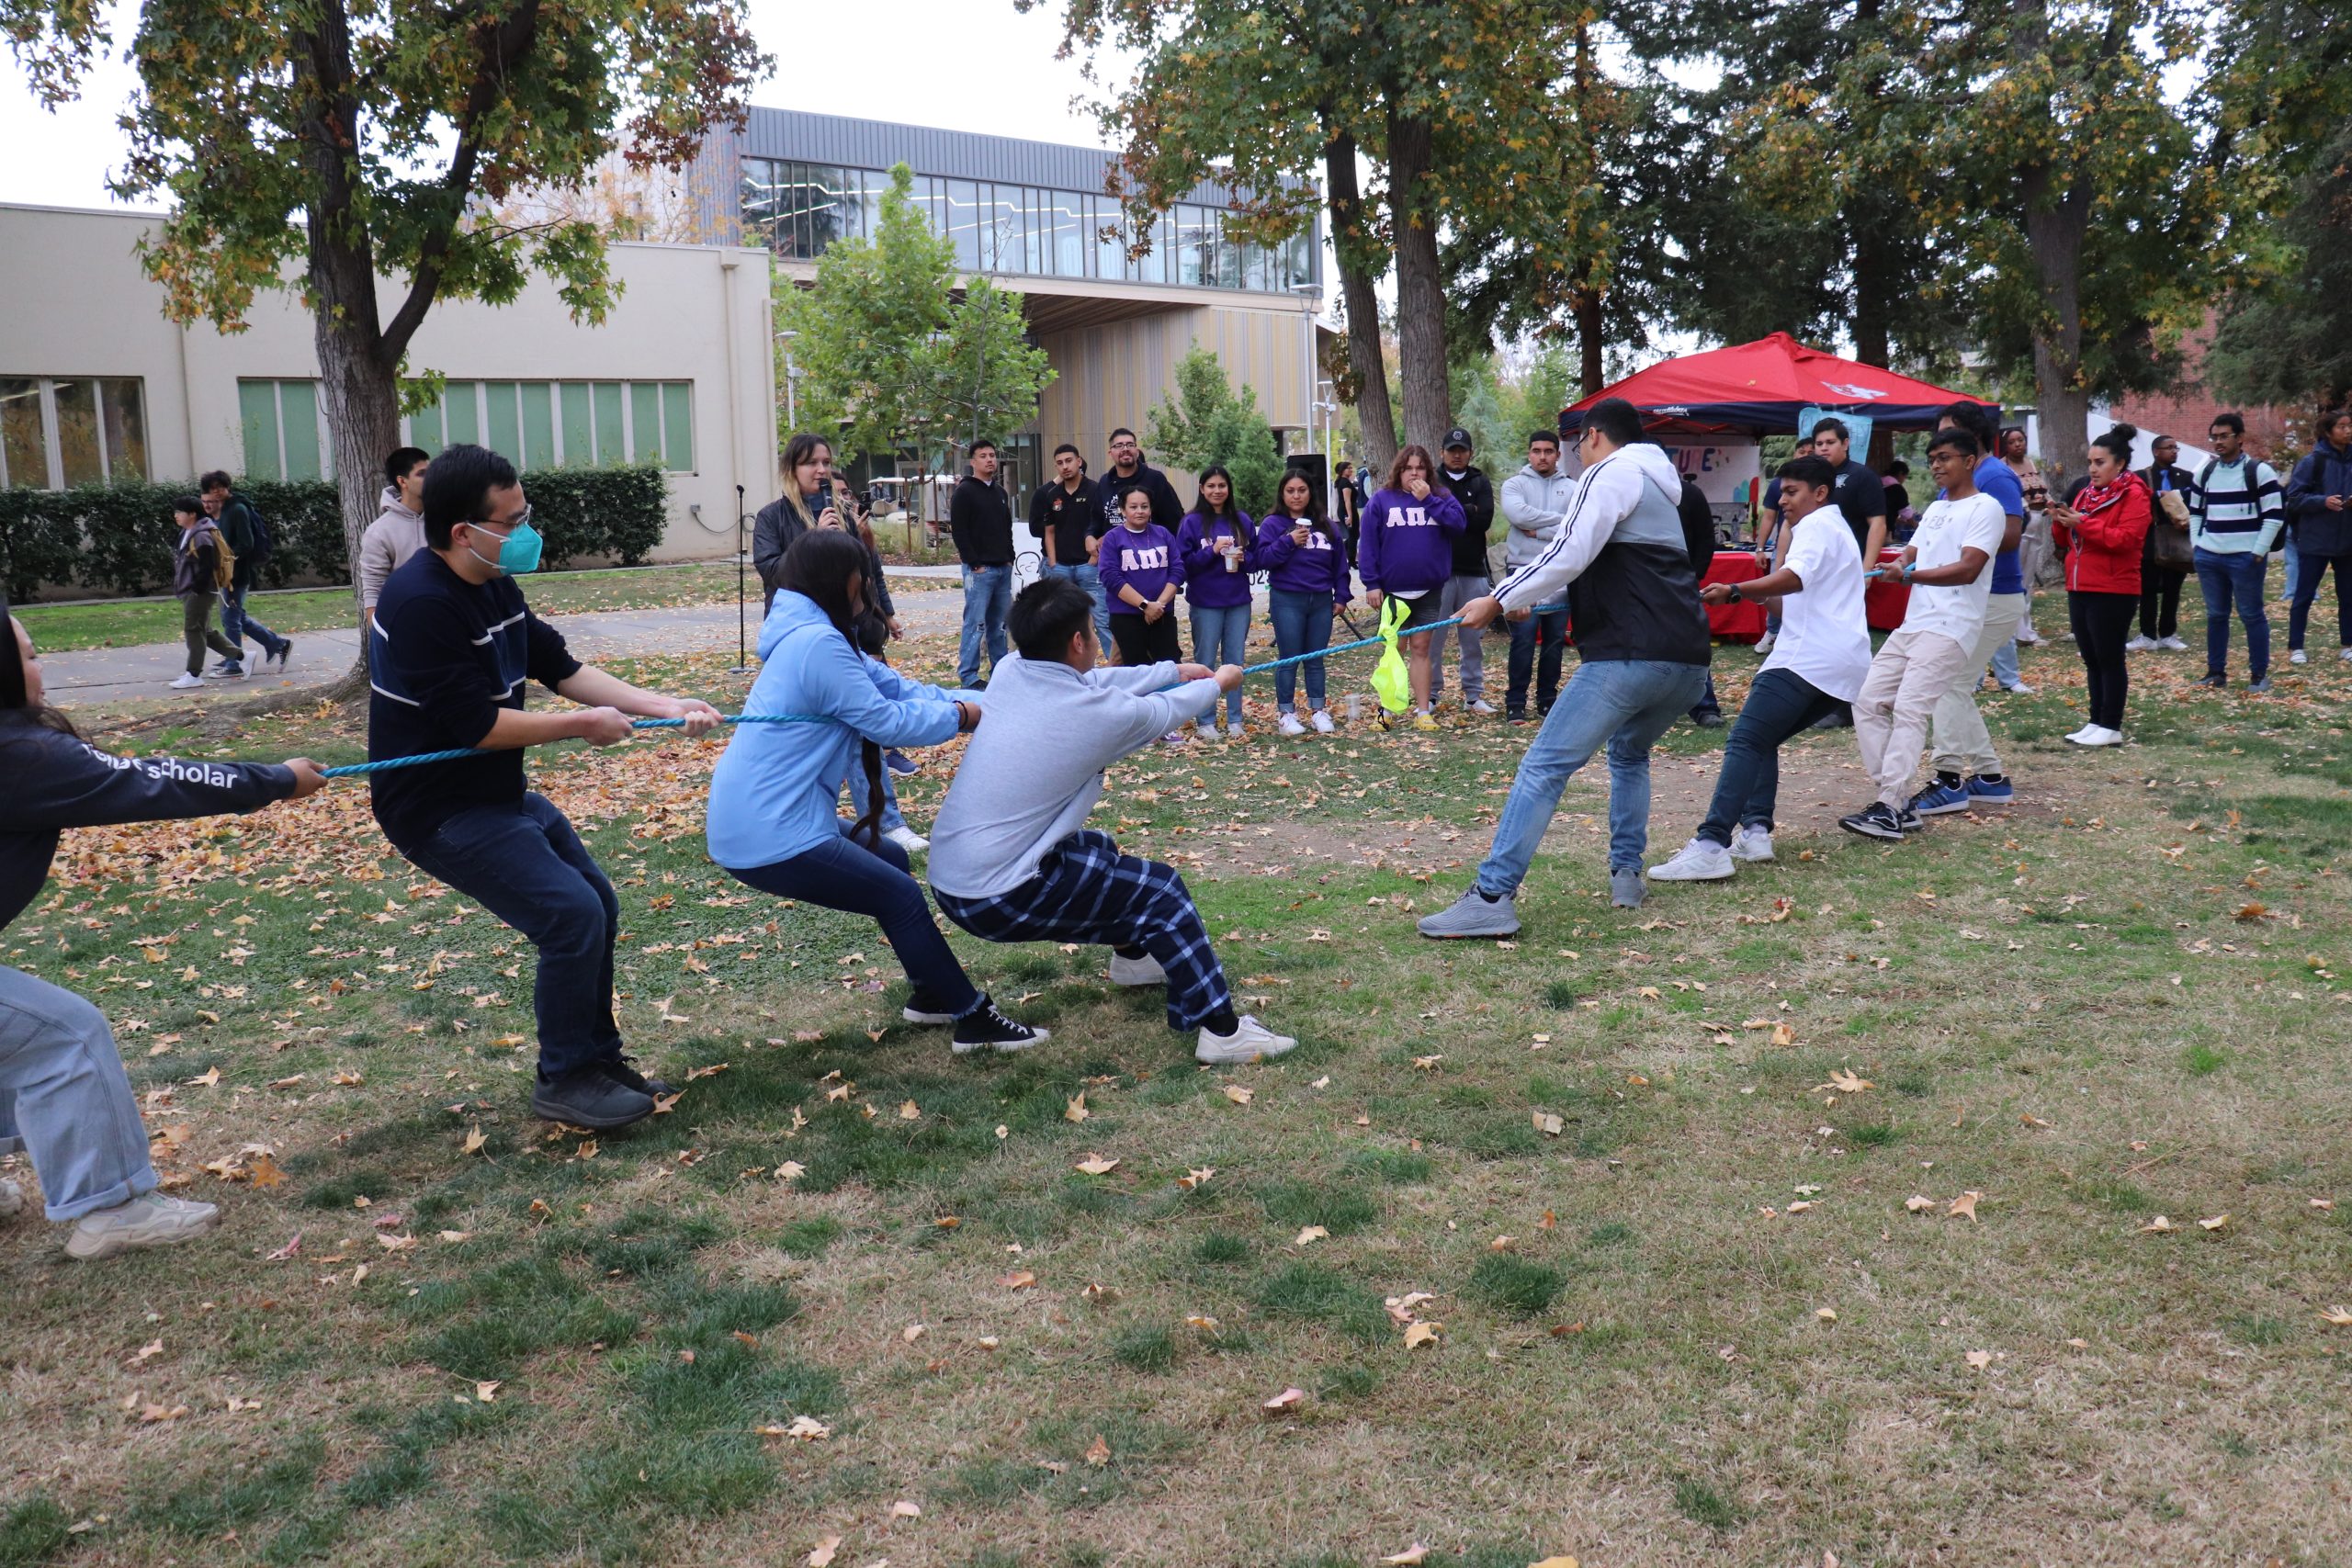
(1885, 599)
(1742, 622)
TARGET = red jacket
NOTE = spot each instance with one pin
(2103, 556)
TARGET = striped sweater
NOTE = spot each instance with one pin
(2236, 508)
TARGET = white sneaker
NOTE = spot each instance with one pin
(186, 683)
(152, 1221)
(1322, 722)
(907, 839)
(1701, 860)
(2097, 735)
(2083, 734)
(2020, 690)
(1288, 725)
(1483, 705)
(2140, 645)
(12, 1198)
(1249, 1042)
(1752, 843)
(2345, 655)
(2172, 644)
(1235, 732)
(1764, 643)
(1175, 738)
(2294, 658)
(1143, 971)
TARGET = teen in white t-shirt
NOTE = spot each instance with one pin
(1818, 664)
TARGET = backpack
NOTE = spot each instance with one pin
(263, 543)
(224, 559)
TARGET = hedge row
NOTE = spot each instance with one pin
(118, 539)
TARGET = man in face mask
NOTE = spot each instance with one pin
(453, 645)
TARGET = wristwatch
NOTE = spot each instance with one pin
(1736, 596)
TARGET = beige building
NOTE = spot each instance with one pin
(94, 383)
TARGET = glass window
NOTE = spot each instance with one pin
(125, 422)
(645, 421)
(963, 211)
(24, 449)
(257, 410)
(1110, 239)
(298, 410)
(1002, 244)
(1228, 253)
(503, 432)
(539, 425)
(862, 193)
(578, 448)
(77, 432)
(1070, 232)
(1188, 245)
(678, 426)
(1254, 259)
(610, 447)
(461, 413)
(756, 201)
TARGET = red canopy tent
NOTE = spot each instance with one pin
(1760, 388)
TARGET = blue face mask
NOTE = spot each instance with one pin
(518, 553)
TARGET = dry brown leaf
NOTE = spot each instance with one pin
(809, 1429)
(1411, 1557)
(1289, 1399)
(1309, 1234)
(791, 1169)
(475, 1141)
(487, 1389)
(1196, 1177)
(1239, 1095)
(2158, 1224)
(1555, 1562)
(1420, 1334)
(263, 1171)
(1548, 1124)
(1980, 1359)
(1428, 1064)
(1076, 1110)
(909, 1111)
(821, 1554)
(1502, 1243)
(1827, 1314)
(913, 1332)
(2216, 1223)
(1019, 1280)
(1095, 1165)
(1782, 1034)
(905, 1509)
(1963, 1205)
(1098, 1452)
(2337, 1315)
(1917, 1204)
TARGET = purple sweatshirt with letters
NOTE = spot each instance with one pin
(1207, 585)
(1144, 559)
(1408, 546)
(1317, 567)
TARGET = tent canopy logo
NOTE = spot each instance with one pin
(1864, 394)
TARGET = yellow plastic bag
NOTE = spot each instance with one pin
(1390, 682)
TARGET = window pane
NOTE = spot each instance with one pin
(579, 444)
(463, 414)
(1070, 232)
(1002, 241)
(503, 435)
(1254, 258)
(610, 447)
(126, 424)
(424, 429)
(755, 199)
(1110, 254)
(77, 430)
(1228, 254)
(23, 453)
(1302, 256)
(645, 421)
(1188, 245)
(297, 407)
(678, 426)
(963, 222)
(258, 404)
(538, 450)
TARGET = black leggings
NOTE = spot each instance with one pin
(2160, 600)
(2102, 625)
(1142, 642)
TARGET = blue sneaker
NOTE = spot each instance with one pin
(1939, 799)
(1999, 793)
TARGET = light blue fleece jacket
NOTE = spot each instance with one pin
(772, 794)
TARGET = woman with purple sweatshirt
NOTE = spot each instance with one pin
(1307, 581)
(1219, 551)
(1407, 550)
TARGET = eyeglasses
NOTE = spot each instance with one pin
(521, 520)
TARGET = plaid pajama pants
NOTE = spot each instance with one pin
(1085, 890)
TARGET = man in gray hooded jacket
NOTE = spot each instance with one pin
(1534, 502)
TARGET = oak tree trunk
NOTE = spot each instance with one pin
(1420, 282)
(1366, 364)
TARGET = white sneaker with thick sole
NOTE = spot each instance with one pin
(1143, 971)
(152, 1221)
(907, 839)
(1701, 860)
(2172, 644)
(1764, 643)
(2345, 655)
(1288, 725)
(1322, 722)
(2297, 657)
(1235, 732)
(1250, 1041)
(2082, 736)
(1752, 844)
(2140, 645)
(186, 682)
(1484, 706)
(2097, 735)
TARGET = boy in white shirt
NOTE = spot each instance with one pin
(1816, 664)
(1948, 565)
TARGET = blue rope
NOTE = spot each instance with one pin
(354, 770)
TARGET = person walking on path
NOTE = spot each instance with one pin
(65, 1099)
(979, 518)
(1968, 766)
(1949, 567)
(1066, 520)
(1643, 643)
(1308, 583)
(772, 822)
(1468, 483)
(2237, 513)
(2106, 528)
(248, 539)
(1218, 546)
(398, 530)
(1819, 662)
(2160, 579)
(453, 648)
(2319, 514)
(197, 578)
(1407, 550)
(1534, 502)
(1128, 469)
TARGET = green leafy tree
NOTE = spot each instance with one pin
(323, 144)
(1205, 422)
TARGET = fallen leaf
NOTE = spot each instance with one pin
(453, 1238)
(790, 1170)
(664, 1104)
(821, 1554)
(1196, 1177)
(711, 1071)
(1411, 1557)
(1548, 1124)
(1827, 1314)
(1311, 1232)
(1917, 1204)
(1289, 1399)
(1205, 1325)
(1420, 1334)
(287, 1082)
(147, 1351)
(1965, 1205)
(1076, 1110)
(2216, 1223)
(1019, 1280)
(1555, 1562)
(1782, 1034)
(1980, 1359)
(486, 1391)
(1323, 1082)
(293, 1248)
(2338, 1316)
(913, 1332)
(1426, 1064)
(904, 1510)
(1098, 1452)
(2158, 1224)
(1239, 1095)
(1502, 1243)
(909, 1111)
(1095, 1165)
(2323, 1203)
(263, 1171)
(475, 1141)
(809, 1429)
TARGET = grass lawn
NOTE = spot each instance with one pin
(1633, 1240)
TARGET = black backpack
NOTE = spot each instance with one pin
(263, 543)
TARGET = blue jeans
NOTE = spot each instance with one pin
(1537, 646)
(522, 862)
(1221, 636)
(2005, 665)
(1625, 704)
(2233, 580)
(1087, 577)
(988, 598)
(1302, 625)
(2310, 576)
(1780, 704)
(61, 1074)
(2294, 564)
(891, 819)
(237, 625)
(846, 875)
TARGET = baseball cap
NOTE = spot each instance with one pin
(1457, 436)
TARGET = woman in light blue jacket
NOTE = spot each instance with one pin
(772, 821)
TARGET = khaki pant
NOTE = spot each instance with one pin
(1962, 745)
(1912, 670)
(198, 630)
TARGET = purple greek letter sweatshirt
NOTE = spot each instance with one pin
(1207, 585)
(1144, 559)
(1317, 567)
(1407, 544)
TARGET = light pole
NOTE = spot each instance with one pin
(791, 377)
(1311, 295)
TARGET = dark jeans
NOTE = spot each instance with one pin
(2311, 572)
(2228, 579)
(1780, 704)
(522, 861)
(237, 625)
(846, 875)
(1549, 634)
(1707, 702)
(1141, 643)
(2160, 600)
(2102, 625)
(1302, 625)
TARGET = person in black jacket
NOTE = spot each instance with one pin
(63, 1096)
(979, 518)
(235, 517)
(1471, 578)
(1066, 518)
(2159, 583)
(1127, 471)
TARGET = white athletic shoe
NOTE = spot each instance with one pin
(2345, 655)
(1483, 707)
(2172, 644)
(1701, 860)
(907, 839)
(1288, 725)
(2140, 645)
(1143, 971)
(152, 1221)
(2020, 690)
(1250, 1041)
(1322, 722)
(1764, 643)
(1752, 843)
(12, 1198)
(186, 683)
(2294, 658)
(2097, 735)
(1235, 732)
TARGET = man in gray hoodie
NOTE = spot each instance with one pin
(398, 532)
(1534, 502)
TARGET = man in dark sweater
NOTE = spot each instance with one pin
(453, 645)
(979, 519)
(1066, 518)
(1471, 578)
(234, 514)
(1127, 471)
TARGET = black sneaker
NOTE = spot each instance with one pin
(986, 1028)
(278, 658)
(1711, 719)
(591, 1098)
(921, 1009)
(1909, 819)
(623, 1070)
(2214, 682)
(1876, 820)
(1515, 715)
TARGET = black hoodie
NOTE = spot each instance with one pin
(1477, 499)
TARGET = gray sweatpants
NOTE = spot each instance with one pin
(1458, 592)
(66, 1100)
